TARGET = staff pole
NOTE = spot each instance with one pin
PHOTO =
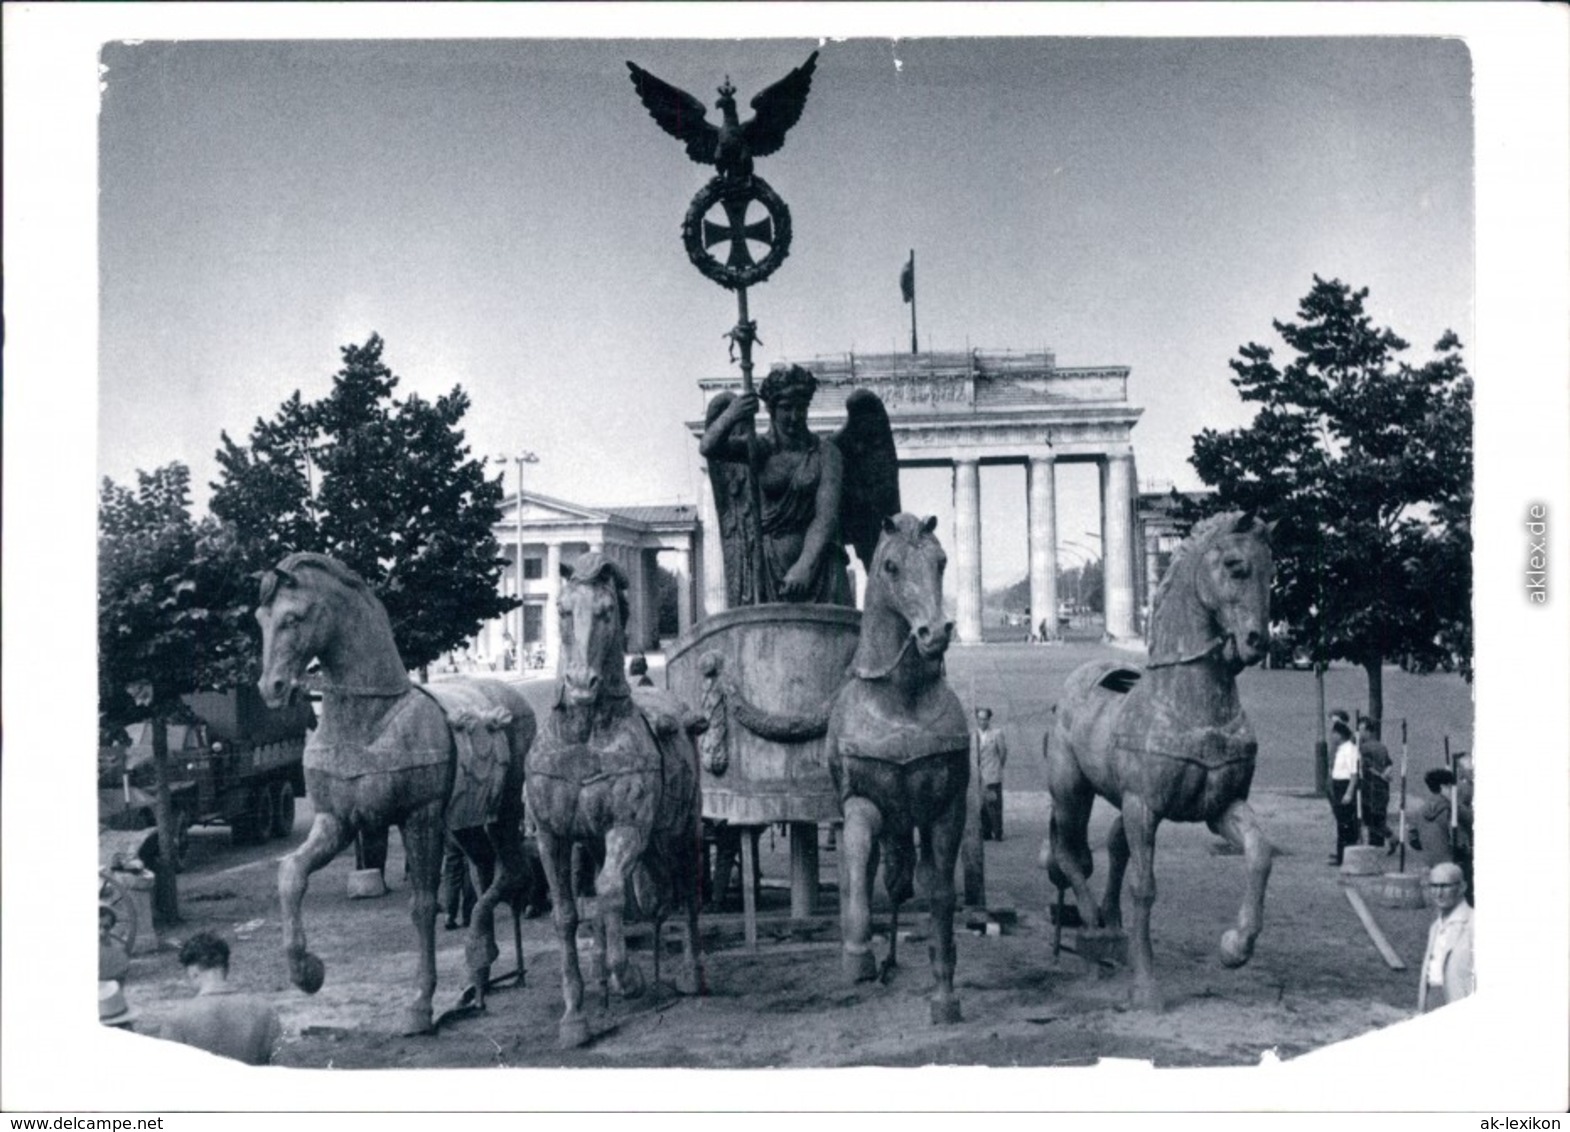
(745, 333)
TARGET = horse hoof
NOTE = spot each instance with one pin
(572, 1032)
(859, 966)
(307, 972)
(1236, 949)
(417, 1020)
(628, 983)
(1147, 997)
(945, 1011)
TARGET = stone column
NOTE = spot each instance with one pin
(1041, 498)
(1152, 572)
(684, 588)
(1117, 509)
(712, 596)
(552, 595)
(967, 551)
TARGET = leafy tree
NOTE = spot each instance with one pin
(173, 600)
(386, 486)
(1366, 461)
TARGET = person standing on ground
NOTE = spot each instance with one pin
(1374, 765)
(1431, 819)
(1343, 789)
(991, 754)
(1448, 975)
(221, 1019)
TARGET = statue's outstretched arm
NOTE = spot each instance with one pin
(717, 442)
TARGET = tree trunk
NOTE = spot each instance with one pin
(166, 896)
(1376, 687)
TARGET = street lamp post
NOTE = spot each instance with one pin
(521, 458)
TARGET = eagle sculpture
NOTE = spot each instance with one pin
(731, 145)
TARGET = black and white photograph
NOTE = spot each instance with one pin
(786, 538)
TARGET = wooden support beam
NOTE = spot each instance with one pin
(1355, 898)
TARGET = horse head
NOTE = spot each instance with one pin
(1232, 581)
(905, 587)
(295, 630)
(593, 612)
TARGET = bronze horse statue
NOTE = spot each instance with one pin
(385, 752)
(898, 748)
(619, 775)
(1171, 743)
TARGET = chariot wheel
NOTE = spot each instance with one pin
(116, 901)
(283, 810)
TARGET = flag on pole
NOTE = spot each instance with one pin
(907, 279)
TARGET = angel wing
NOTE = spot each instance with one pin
(871, 486)
(778, 108)
(680, 114)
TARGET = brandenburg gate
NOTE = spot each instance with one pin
(963, 410)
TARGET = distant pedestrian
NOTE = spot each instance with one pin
(1374, 768)
(1431, 822)
(1343, 789)
(221, 1019)
(638, 667)
(991, 755)
(1448, 975)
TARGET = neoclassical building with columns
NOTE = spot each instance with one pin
(963, 410)
(538, 534)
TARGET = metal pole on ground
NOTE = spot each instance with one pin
(1401, 828)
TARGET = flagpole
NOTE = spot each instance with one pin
(913, 301)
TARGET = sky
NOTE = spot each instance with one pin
(191, 235)
(506, 215)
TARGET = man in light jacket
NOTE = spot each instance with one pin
(1447, 974)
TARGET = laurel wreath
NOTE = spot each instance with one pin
(718, 189)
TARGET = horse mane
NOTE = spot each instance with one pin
(310, 560)
(1199, 539)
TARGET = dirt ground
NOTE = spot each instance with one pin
(1316, 978)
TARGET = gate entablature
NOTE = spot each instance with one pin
(965, 409)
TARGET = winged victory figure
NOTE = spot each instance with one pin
(817, 493)
(731, 145)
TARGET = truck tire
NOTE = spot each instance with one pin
(263, 807)
(182, 839)
(283, 810)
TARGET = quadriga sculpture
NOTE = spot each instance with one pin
(898, 750)
(621, 775)
(385, 752)
(1169, 743)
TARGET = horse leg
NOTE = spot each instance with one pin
(862, 825)
(623, 846)
(941, 844)
(423, 832)
(1111, 910)
(1140, 824)
(1069, 832)
(556, 857)
(1240, 826)
(326, 840)
(479, 950)
(689, 886)
(898, 866)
